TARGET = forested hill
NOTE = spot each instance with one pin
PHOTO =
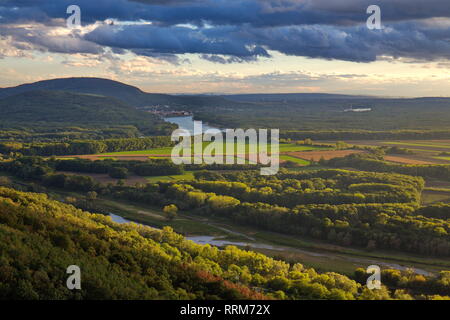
(109, 88)
(41, 238)
(36, 108)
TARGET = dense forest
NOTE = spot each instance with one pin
(38, 168)
(80, 147)
(366, 134)
(56, 134)
(363, 209)
(40, 238)
(331, 113)
(46, 112)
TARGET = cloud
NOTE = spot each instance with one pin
(243, 43)
(176, 40)
(262, 13)
(232, 31)
(42, 38)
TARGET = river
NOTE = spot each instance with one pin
(214, 241)
(187, 123)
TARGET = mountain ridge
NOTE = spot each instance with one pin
(110, 88)
(136, 97)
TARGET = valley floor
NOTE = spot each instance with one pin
(310, 252)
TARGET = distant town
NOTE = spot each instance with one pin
(165, 111)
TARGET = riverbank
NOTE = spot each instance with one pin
(321, 256)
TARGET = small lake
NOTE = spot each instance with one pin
(187, 123)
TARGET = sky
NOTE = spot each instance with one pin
(232, 46)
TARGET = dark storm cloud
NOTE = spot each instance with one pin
(254, 12)
(356, 43)
(176, 40)
(228, 31)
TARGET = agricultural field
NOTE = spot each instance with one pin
(431, 196)
(326, 155)
(164, 153)
(436, 191)
(188, 175)
(422, 151)
(133, 179)
(405, 160)
(284, 158)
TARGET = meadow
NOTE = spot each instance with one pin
(419, 151)
(284, 147)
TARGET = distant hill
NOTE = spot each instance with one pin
(52, 108)
(289, 97)
(109, 88)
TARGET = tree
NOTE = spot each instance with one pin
(71, 200)
(5, 181)
(91, 195)
(171, 211)
(340, 145)
(118, 172)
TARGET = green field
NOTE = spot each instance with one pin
(437, 189)
(290, 147)
(296, 160)
(165, 150)
(285, 147)
(428, 144)
(188, 175)
(443, 158)
(429, 197)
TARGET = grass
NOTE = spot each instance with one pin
(284, 147)
(166, 150)
(65, 158)
(296, 160)
(443, 158)
(188, 175)
(318, 263)
(309, 168)
(437, 189)
(423, 150)
(433, 145)
(155, 217)
(434, 197)
(290, 147)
